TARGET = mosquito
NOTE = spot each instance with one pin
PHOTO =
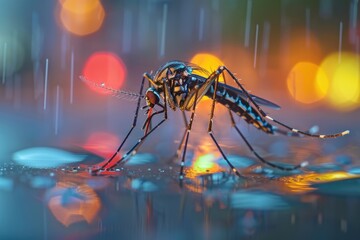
(181, 85)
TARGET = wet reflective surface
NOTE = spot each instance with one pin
(145, 201)
(301, 55)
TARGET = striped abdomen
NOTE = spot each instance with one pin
(231, 98)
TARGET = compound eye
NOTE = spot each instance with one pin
(189, 70)
(152, 98)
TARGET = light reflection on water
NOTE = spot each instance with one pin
(143, 202)
(307, 182)
(70, 203)
(45, 157)
(43, 196)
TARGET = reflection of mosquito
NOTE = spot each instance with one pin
(178, 85)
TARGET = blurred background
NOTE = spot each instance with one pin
(301, 54)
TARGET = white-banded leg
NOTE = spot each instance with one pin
(134, 149)
(233, 124)
(188, 130)
(233, 169)
(103, 166)
(264, 115)
(178, 151)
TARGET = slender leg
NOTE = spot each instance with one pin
(104, 165)
(233, 124)
(150, 125)
(181, 177)
(183, 137)
(147, 123)
(134, 149)
(211, 132)
(303, 164)
(264, 115)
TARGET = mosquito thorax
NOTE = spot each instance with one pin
(152, 97)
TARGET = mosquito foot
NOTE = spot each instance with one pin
(94, 170)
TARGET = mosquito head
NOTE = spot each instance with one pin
(152, 97)
(188, 71)
(179, 71)
(183, 70)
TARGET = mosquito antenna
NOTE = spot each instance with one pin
(130, 96)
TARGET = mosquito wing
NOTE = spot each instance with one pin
(263, 102)
(258, 100)
(129, 96)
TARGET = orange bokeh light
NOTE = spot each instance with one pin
(307, 82)
(81, 17)
(105, 68)
(70, 203)
(302, 46)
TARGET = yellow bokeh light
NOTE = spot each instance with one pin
(210, 63)
(307, 82)
(207, 61)
(205, 160)
(81, 17)
(344, 75)
(204, 164)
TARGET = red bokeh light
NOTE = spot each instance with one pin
(105, 68)
(102, 144)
